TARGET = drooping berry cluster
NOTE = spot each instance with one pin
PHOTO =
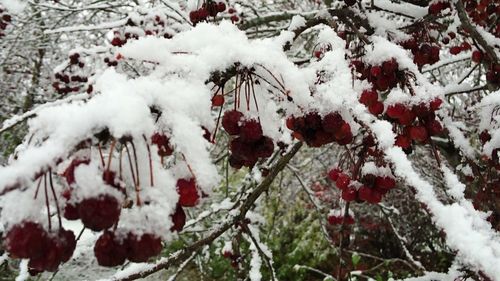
(383, 77)
(249, 143)
(317, 130)
(424, 51)
(98, 212)
(484, 13)
(45, 250)
(112, 248)
(371, 188)
(207, 9)
(143, 26)
(72, 78)
(418, 122)
(5, 19)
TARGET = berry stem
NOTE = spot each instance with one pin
(132, 172)
(110, 156)
(47, 201)
(55, 198)
(151, 178)
(102, 157)
(37, 188)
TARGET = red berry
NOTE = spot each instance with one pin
(117, 42)
(231, 120)
(178, 219)
(221, 7)
(376, 108)
(343, 181)
(484, 137)
(188, 192)
(477, 56)
(163, 143)
(109, 250)
(434, 127)
(334, 220)
(331, 122)
(375, 71)
(390, 66)
(407, 118)
(334, 174)
(436, 103)
(250, 131)
(455, 50)
(218, 100)
(385, 182)
(234, 18)
(99, 213)
(403, 141)
(395, 111)
(142, 248)
(349, 194)
(418, 133)
(26, 240)
(368, 97)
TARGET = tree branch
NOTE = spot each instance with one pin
(183, 254)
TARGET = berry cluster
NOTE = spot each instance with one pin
(425, 54)
(72, 78)
(371, 190)
(383, 77)
(485, 13)
(417, 122)
(316, 130)
(249, 144)
(234, 15)
(98, 212)
(112, 248)
(150, 25)
(207, 9)
(45, 250)
(5, 19)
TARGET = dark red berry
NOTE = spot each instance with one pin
(178, 219)
(231, 121)
(99, 213)
(188, 192)
(109, 250)
(142, 248)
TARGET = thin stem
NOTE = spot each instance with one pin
(55, 198)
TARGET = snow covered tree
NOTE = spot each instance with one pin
(251, 140)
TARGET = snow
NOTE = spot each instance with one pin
(467, 231)
(14, 6)
(402, 8)
(297, 22)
